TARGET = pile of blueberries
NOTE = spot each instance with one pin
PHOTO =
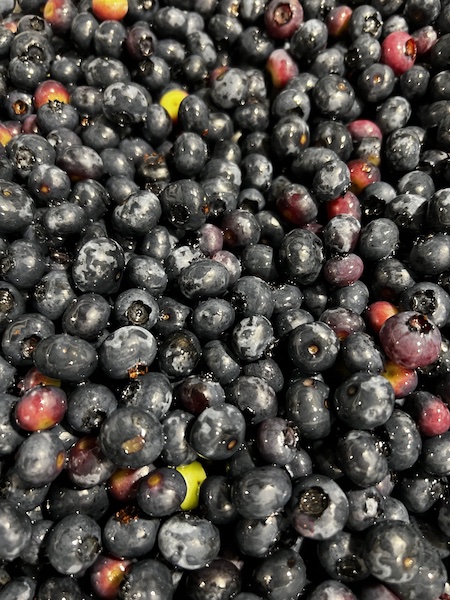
(224, 299)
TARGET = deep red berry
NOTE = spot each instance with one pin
(296, 205)
(42, 407)
(348, 204)
(343, 270)
(410, 339)
(87, 465)
(398, 51)
(281, 67)
(33, 378)
(282, 18)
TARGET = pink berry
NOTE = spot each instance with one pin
(281, 67)
(363, 128)
(410, 339)
(399, 51)
(431, 414)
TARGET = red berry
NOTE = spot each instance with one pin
(282, 18)
(86, 465)
(378, 312)
(33, 378)
(337, 20)
(410, 339)
(50, 90)
(404, 381)
(431, 414)
(123, 483)
(362, 173)
(398, 51)
(348, 204)
(343, 270)
(107, 574)
(281, 67)
(296, 205)
(42, 407)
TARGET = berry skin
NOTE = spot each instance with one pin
(399, 51)
(106, 10)
(411, 340)
(41, 407)
(59, 14)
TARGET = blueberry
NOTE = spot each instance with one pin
(98, 266)
(393, 551)
(64, 356)
(131, 437)
(147, 576)
(15, 531)
(306, 406)
(318, 507)
(218, 432)
(188, 541)
(364, 401)
(281, 575)
(219, 579)
(127, 351)
(261, 492)
(361, 458)
(128, 535)
(73, 544)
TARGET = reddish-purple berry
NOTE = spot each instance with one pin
(283, 17)
(411, 339)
